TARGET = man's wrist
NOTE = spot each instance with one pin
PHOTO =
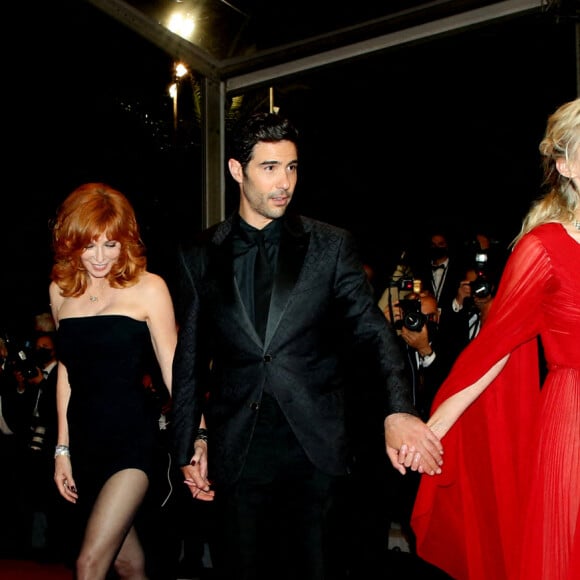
(427, 358)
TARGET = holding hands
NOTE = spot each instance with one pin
(410, 443)
(195, 473)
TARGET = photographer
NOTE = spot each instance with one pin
(437, 263)
(417, 321)
(17, 401)
(48, 514)
(471, 305)
(33, 367)
(44, 415)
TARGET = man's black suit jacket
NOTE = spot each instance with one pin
(321, 312)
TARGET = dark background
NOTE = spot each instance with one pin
(445, 131)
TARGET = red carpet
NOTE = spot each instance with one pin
(25, 570)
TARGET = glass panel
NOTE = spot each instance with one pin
(241, 28)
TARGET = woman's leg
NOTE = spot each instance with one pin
(130, 561)
(109, 534)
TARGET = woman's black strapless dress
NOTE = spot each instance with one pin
(112, 421)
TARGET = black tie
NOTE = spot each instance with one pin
(262, 285)
(439, 267)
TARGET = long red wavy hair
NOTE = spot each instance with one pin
(89, 211)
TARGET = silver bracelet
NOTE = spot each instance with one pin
(61, 450)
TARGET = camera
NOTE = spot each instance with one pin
(481, 287)
(404, 286)
(20, 357)
(411, 316)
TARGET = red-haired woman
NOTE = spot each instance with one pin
(109, 310)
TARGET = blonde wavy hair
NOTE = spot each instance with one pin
(89, 211)
(561, 141)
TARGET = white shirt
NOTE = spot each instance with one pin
(438, 278)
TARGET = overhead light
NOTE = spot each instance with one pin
(180, 24)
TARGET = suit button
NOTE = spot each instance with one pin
(267, 358)
(255, 406)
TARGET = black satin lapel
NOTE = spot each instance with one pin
(223, 292)
(244, 318)
(221, 263)
(293, 247)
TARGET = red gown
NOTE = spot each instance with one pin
(506, 506)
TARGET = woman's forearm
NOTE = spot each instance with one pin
(444, 417)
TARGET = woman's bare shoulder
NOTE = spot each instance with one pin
(56, 300)
(151, 280)
(55, 295)
(152, 284)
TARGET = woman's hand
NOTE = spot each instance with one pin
(410, 443)
(195, 473)
(64, 479)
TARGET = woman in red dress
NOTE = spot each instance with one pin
(507, 504)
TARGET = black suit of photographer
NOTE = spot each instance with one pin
(428, 365)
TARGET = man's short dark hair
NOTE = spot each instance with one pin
(268, 127)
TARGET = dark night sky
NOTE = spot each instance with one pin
(445, 131)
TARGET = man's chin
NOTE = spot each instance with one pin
(277, 212)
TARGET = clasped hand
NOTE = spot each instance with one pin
(410, 443)
(195, 474)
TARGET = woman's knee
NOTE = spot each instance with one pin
(130, 568)
(89, 565)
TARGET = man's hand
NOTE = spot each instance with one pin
(410, 443)
(418, 340)
(195, 474)
(463, 292)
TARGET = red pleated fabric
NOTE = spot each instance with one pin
(507, 504)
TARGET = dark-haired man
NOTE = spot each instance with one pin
(266, 367)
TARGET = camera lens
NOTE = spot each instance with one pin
(414, 321)
(480, 288)
(412, 317)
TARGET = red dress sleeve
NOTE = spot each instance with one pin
(467, 520)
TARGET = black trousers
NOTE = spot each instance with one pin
(273, 523)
